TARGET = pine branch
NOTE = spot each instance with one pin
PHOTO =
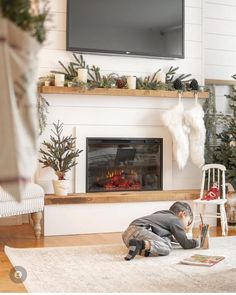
(170, 74)
(80, 61)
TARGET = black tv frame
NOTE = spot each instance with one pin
(122, 53)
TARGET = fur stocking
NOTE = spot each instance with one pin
(173, 120)
(194, 120)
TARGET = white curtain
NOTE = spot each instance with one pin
(18, 113)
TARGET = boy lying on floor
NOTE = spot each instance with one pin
(152, 235)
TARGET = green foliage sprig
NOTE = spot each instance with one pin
(20, 12)
(70, 71)
(170, 75)
(42, 107)
(60, 153)
(96, 80)
(150, 82)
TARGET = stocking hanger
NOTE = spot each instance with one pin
(196, 96)
(180, 95)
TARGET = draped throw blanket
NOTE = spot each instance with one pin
(18, 114)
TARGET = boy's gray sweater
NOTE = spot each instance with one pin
(166, 224)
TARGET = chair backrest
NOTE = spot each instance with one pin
(213, 173)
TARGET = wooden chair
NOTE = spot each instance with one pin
(212, 173)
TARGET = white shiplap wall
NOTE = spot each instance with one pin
(117, 117)
(220, 39)
(103, 116)
(54, 49)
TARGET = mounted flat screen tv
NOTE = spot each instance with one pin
(150, 28)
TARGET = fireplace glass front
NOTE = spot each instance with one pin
(116, 164)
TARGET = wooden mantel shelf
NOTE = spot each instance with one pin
(220, 82)
(117, 92)
(122, 197)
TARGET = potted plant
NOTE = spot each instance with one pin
(60, 156)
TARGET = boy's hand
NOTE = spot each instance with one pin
(189, 235)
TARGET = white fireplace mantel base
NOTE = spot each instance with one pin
(71, 219)
(109, 116)
(95, 218)
(114, 116)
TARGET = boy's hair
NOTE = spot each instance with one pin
(182, 207)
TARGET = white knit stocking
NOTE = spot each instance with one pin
(173, 119)
(194, 120)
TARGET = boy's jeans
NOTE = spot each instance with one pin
(159, 246)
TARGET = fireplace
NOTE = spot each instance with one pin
(123, 164)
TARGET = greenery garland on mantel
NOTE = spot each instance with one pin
(173, 81)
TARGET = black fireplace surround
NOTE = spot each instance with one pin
(123, 164)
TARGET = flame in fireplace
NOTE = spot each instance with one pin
(120, 179)
(110, 174)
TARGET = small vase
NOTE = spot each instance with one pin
(61, 187)
(47, 83)
(82, 75)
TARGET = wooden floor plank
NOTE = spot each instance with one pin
(23, 237)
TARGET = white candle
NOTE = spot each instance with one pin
(131, 82)
(161, 77)
(59, 80)
(82, 75)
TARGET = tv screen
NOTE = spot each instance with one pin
(151, 28)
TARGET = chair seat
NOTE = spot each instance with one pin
(32, 201)
(213, 202)
(32, 191)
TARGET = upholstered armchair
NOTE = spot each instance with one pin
(33, 203)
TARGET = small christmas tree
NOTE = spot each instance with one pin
(61, 153)
(225, 153)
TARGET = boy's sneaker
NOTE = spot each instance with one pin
(135, 247)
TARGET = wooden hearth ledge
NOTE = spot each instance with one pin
(123, 197)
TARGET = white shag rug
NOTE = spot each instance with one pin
(103, 269)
